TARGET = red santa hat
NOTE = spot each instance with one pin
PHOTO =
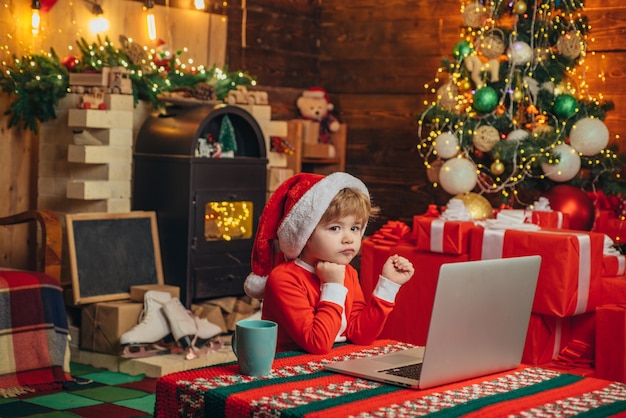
(290, 216)
(318, 93)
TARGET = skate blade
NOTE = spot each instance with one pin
(202, 350)
(147, 350)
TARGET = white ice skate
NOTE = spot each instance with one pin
(143, 339)
(204, 341)
(188, 330)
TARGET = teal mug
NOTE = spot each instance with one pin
(254, 345)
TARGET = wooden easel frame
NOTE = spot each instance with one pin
(118, 294)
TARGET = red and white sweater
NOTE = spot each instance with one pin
(313, 316)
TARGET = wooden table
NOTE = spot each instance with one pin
(299, 387)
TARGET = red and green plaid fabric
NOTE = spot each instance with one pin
(299, 387)
(33, 332)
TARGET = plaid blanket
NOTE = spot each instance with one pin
(34, 336)
(299, 387)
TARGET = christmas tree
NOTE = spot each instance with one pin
(512, 117)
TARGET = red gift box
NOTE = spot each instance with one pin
(410, 317)
(612, 290)
(566, 341)
(439, 236)
(613, 265)
(611, 342)
(607, 223)
(570, 268)
(544, 219)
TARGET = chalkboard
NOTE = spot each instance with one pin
(110, 252)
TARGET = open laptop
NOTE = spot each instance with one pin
(478, 326)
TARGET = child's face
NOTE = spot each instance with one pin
(338, 241)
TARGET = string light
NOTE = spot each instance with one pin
(99, 23)
(35, 19)
(152, 34)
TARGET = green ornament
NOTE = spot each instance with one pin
(565, 106)
(485, 99)
(461, 50)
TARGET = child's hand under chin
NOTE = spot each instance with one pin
(398, 269)
(329, 272)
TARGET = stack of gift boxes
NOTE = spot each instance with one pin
(577, 320)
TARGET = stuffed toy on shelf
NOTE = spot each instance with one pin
(315, 105)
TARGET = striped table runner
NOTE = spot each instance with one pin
(299, 387)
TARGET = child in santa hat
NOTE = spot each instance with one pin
(315, 295)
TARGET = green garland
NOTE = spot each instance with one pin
(38, 82)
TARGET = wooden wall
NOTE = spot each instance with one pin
(374, 57)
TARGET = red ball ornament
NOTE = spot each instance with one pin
(575, 203)
(70, 62)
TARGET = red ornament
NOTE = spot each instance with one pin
(575, 203)
(70, 62)
(46, 5)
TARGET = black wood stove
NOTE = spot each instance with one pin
(207, 208)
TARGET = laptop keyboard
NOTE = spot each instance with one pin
(411, 371)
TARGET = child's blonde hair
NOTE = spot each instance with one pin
(350, 202)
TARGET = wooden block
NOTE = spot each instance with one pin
(91, 118)
(99, 154)
(119, 101)
(118, 137)
(260, 112)
(100, 79)
(276, 159)
(274, 128)
(98, 189)
(277, 175)
(138, 292)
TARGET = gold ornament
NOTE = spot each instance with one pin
(474, 14)
(448, 95)
(569, 45)
(517, 95)
(497, 167)
(519, 7)
(432, 172)
(478, 206)
(493, 45)
(485, 138)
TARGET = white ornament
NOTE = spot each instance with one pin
(446, 145)
(458, 175)
(589, 136)
(517, 135)
(520, 53)
(485, 138)
(567, 167)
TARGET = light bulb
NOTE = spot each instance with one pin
(98, 25)
(35, 19)
(151, 26)
(150, 19)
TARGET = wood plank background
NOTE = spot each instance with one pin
(373, 57)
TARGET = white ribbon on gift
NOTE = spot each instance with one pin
(455, 211)
(436, 235)
(511, 219)
(493, 244)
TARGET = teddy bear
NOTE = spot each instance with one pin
(315, 105)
